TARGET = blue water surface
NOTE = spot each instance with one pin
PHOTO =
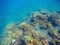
(12, 11)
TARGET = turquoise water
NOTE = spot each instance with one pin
(12, 11)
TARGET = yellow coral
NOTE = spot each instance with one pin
(57, 21)
(33, 42)
(49, 25)
(25, 26)
(44, 41)
(36, 42)
(35, 32)
(27, 38)
(54, 31)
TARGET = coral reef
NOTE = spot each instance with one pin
(40, 28)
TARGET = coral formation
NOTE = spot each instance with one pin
(40, 29)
